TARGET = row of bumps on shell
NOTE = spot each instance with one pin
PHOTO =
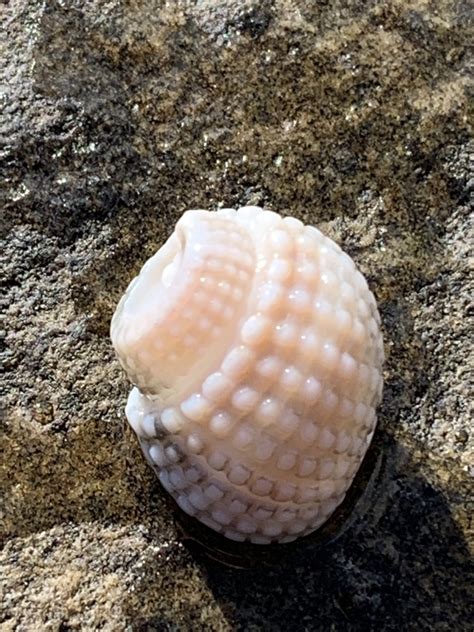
(265, 444)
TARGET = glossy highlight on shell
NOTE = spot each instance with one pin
(254, 347)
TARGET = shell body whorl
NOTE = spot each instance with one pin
(255, 349)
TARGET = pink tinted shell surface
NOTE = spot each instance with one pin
(254, 347)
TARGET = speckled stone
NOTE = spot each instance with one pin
(115, 117)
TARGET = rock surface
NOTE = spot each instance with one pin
(115, 118)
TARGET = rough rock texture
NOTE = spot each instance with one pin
(117, 116)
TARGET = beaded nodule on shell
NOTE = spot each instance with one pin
(254, 346)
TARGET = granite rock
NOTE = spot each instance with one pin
(116, 116)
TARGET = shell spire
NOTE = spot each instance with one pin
(179, 312)
(255, 350)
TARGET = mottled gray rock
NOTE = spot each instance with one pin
(115, 118)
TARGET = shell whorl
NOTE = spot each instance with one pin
(178, 314)
(255, 347)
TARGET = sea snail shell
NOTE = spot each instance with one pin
(255, 350)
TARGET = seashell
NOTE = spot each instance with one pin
(254, 346)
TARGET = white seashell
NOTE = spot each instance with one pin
(255, 350)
